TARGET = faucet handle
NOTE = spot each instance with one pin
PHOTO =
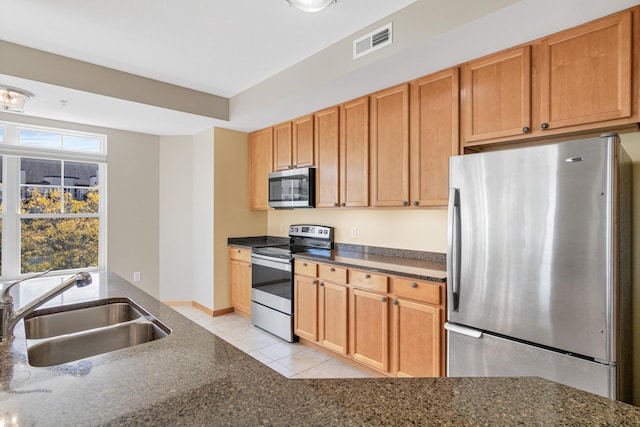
(83, 279)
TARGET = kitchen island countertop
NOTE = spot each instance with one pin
(192, 377)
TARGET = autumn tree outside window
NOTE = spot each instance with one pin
(52, 200)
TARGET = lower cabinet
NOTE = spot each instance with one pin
(240, 279)
(391, 324)
(416, 330)
(333, 312)
(369, 326)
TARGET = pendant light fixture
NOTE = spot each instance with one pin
(310, 5)
(13, 99)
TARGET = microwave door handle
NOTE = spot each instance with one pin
(453, 246)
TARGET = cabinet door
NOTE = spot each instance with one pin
(354, 153)
(369, 329)
(282, 156)
(496, 95)
(416, 344)
(389, 154)
(306, 307)
(260, 159)
(334, 317)
(240, 285)
(586, 73)
(327, 139)
(434, 136)
(303, 152)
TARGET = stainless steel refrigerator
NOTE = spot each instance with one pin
(538, 259)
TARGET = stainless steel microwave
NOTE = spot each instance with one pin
(292, 188)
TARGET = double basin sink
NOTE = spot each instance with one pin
(65, 334)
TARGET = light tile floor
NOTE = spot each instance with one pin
(293, 360)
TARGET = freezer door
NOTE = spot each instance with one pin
(531, 233)
(491, 356)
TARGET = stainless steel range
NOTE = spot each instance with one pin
(272, 277)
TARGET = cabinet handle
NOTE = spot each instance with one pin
(335, 205)
(321, 283)
(332, 269)
(313, 282)
(239, 250)
(544, 125)
(525, 129)
(304, 264)
(384, 299)
(344, 204)
(416, 203)
(367, 276)
(295, 165)
(405, 203)
(395, 302)
(414, 285)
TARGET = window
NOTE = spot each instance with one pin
(52, 208)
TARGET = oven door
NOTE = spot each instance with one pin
(272, 282)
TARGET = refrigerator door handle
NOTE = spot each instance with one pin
(453, 246)
(473, 333)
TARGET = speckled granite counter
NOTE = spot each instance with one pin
(192, 378)
(419, 265)
(257, 241)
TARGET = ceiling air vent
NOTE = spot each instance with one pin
(373, 41)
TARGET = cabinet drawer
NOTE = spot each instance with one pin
(419, 290)
(306, 268)
(240, 254)
(332, 273)
(368, 280)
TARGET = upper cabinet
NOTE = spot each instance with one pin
(434, 107)
(282, 153)
(302, 144)
(585, 74)
(293, 144)
(574, 81)
(354, 153)
(496, 95)
(389, 155)
(327, 138)
(260, 158)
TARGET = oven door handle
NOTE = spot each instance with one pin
(267, 261)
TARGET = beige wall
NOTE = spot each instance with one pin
(631, 143)
(132, 206)
(176, 222)
(419, 229)
(232, 218)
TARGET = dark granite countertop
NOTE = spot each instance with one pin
(418, 265)
(257, 241)
(192, 377)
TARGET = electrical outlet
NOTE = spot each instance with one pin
(354, 232)
(136, 276)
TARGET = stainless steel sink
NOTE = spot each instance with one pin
(70, 320)
(68, 348)
(64, 334)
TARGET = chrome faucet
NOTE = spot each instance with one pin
(11, 318)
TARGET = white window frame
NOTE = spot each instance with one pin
(12, 151)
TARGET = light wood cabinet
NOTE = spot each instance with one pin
(302, 143)
(389, 155)
(306, 307)
(327, 143)
(434, 107)
(575, 81)
(333, 311)
(416, 330)
(354, 153)
(282, 143)
(260, 162)
(586, 73)
(496, 95)
(369, 329)
(240, 279)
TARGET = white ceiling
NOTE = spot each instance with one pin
(231, 48)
